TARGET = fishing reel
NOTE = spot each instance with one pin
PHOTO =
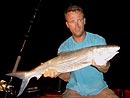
(6, 88)
(3, 85)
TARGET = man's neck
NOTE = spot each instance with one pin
(80, 38)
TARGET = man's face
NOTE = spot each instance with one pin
(75, 22)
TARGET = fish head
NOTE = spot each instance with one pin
(103, 54)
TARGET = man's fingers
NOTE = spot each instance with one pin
(50, 72)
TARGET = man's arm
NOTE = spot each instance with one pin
(51, 72)
(65, 76)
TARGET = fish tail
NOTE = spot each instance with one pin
(19, 75)
(23, 86)
(25, 77)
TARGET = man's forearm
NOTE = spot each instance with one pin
(65, 76)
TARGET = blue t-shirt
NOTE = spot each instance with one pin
(88, 80)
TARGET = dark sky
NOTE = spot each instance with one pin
(107, 18)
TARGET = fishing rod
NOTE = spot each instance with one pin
(8, 86)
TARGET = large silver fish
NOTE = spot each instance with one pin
(69, 61)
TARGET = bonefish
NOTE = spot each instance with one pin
(69, 61)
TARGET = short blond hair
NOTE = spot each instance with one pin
(73, 8)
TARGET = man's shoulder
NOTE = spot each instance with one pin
(94, 35)
(90, 33)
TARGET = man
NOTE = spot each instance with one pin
(87, 82)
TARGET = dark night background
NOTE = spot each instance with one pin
(48, 31)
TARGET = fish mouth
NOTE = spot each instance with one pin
(113, 53)
(114, 49)
(117, 48)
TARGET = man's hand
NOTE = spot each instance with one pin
(103, 68)
(51, 72)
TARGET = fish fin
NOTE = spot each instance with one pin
(20, 75)
(23, 86)
(24, 76)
